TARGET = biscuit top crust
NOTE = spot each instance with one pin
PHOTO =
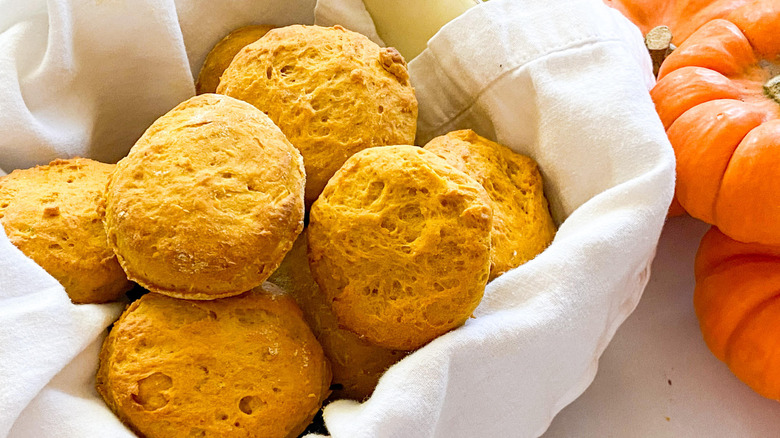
(332, 91)
(522, 225)
(51, 214)
(244, 366)
(208, 201)
(399, 241)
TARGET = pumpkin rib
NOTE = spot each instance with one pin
(745, 320)
(721, 308)
(718, 45)
(751, 354)
(687, 87)
(696, 13)
(745, 188)
(759, 22)
(704, 145)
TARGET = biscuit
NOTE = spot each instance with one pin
(220, 56)
(357, 365)
(399, 242)
(333, 92)
(51, 214)
(522, 225)
(245, 366)
(208, 201)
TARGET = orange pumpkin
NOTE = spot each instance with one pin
(737, 301)
(718, 95)
(682, 17)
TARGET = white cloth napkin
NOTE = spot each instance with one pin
(565, 82)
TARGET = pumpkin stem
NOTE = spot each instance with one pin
(772, 88)
(659, 43)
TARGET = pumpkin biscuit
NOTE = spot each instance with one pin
(399, 242)
(208, 201)
(222, 54)
(51, 214)
(522, 225)
(245, 366)
(333, 92)
(357, 365)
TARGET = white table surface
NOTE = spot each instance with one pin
(657, 378)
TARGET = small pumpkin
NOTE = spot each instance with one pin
(718, 96)
(680, 19)
(737, 302)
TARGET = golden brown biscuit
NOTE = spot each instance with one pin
(357, 365)
(208, 201)
(51, 214)
(220, 56)
(333, 92)
(399, 241)
(245, 366)
(522, 225)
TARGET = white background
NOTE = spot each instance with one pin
(661, 343)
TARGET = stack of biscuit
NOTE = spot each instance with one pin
(203, 209)
(210, 204)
